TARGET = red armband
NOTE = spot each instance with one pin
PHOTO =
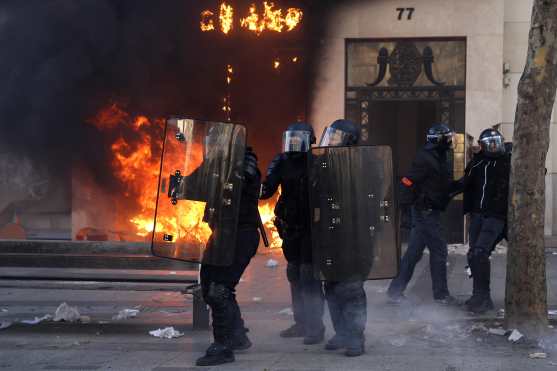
(407, 182)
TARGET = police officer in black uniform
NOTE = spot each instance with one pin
(426, 190)
(486, 188)
(289, 171)
(218, 283)
(347, 299)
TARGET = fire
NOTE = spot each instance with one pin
(207, 21)
(271, 19)
(226, 17)
(136, 153)
(267, 212)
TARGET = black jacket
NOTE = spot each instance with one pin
(486, 185)
(292, 211)
(427, 183)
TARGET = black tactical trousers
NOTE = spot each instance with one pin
(348, 308)
(307, 298)
(484, 233)
(218, 287)
(426, 231)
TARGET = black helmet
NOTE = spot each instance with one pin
(492, 143)
(440, 136)
(298, 137)
(340, 133)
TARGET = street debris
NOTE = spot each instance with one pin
(66, 313)
(126, 314)
(537, 355)
(515, 336)
(85, 319)
(5, 324)
(287, 311)
(3, 310)
(398, 342)
(478, 327)
(257, 298)
(497, 331)
(37, 320)
(552, 312)
(501, 313)
(166, 333)
(271, 263)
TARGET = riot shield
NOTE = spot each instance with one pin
(354, 233)
(199, 191)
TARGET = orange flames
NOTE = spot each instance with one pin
(136, 155)
(270, 19)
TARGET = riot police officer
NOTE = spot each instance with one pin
(218, 283)
(425, 189)
(289, 171)
(486, 187)
(346, 299)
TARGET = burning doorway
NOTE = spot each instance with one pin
(397, 88)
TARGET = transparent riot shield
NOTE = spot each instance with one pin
(354, 231)
(199, 191)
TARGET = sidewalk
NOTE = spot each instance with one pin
(420, 336)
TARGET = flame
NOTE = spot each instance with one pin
(226, 17)
(271, 19)
(293, 18)
(295, 59)
(276, 64)
(252, 22)
(136, 154)
(207, 21)
(267, 212)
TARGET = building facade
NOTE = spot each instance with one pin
(395, 68)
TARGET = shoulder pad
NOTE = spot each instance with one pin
(275, 163)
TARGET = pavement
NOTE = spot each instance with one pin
(417, 336)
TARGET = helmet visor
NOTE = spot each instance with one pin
(333, 137)
(296, 141)
(493, 144)
(445, 139)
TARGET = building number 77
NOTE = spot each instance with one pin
(401, 13)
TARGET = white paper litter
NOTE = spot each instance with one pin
(36, 320)
(66, 313)
(257, 298)
(125, 314)
(5, 324)
(515, 336)
(497, 331)
(398, 342)
(166, 333)
(538, 355)
(4, 310)
(85, 319)
(287, 311)
(552, 312)
(271, 263)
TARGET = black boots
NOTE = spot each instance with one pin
(480, 302)
(216, 354)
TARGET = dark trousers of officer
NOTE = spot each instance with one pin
(426, 232)
(348, 308)
(308, 301)
(218, 285)
(307, 298)
(484, 233)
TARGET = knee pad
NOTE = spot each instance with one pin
(293, 272)
(478, 255)
(217, 294)
(349, 290)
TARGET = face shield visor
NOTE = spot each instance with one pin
(493, 145)
(334, 137)
(296, 141)
(444, 140)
